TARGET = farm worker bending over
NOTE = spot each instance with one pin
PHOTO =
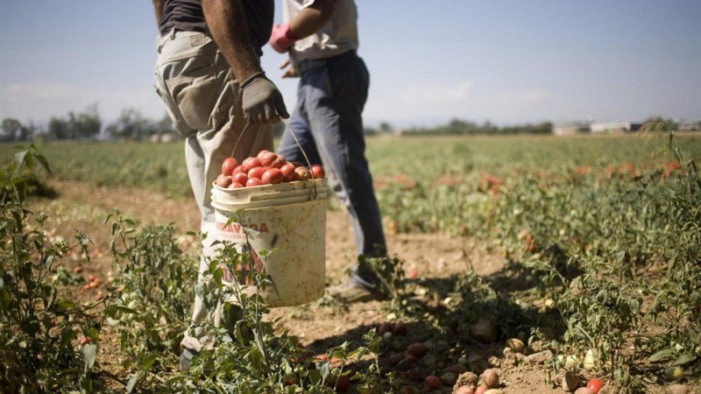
(321, 38)
(209, 76)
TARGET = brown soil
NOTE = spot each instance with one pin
(320, 324)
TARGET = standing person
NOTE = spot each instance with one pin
(321, 38)
(209, 76)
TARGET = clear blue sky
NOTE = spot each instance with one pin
(430, 61)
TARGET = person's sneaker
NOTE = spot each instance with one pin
(186, 359)
(352, 292)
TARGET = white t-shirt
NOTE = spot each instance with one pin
(338, 36)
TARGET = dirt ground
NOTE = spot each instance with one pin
(318, 325)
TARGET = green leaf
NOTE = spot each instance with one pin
(44, 163)
(62, 306)
(113, 309)
(89, 354)
(20, 157)
(620, 256)
(92, 332)
(685, 358)
(325, 369)
(132, 383)
(665, 354)
(256, 358)
(147, 363)
(238, 333)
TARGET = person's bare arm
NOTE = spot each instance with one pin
(310, 19)
(227, 24)
(158, 8)
(307, 22)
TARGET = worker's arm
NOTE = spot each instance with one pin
(307, 22)
(261, 101)
(227, 24)
(312, 18)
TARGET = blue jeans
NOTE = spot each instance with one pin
(327, 122)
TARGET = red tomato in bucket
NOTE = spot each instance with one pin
(240, 177)
(318, 171)
(256, 172)
(251, 162)
(288, 171)
(267, 159)
(223, 181)
(262, 153)
(272, 176)
(278, 162)
(253, 182)
(228, 165)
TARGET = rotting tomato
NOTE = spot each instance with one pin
(343, 383)
(399, 328)
(417, 349)
(432, 382)
(385, 327)
(303, 173)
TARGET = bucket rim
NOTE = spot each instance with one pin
(272, 187)
(282, 202)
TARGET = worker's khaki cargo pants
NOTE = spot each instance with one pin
(202, 98)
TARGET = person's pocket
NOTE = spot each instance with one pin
(225, 105)
(195, 91)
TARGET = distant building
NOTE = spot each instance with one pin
(615, 127)
(164, 137)
(571, 128)
(689, 125)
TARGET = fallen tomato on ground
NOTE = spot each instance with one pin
(595, 385)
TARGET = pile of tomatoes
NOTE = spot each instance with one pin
(266, 168)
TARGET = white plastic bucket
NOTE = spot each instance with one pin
(289, 220)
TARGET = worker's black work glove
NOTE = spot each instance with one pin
(262, 101)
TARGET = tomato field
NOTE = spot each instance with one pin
(518, 264)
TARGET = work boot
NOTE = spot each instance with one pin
(356, 290)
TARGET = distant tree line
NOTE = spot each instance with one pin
(132, 125)
(462, 127)
(14, 130)
(87, 126)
